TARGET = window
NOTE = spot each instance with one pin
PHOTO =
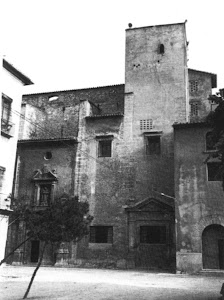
(214, 171)
(210, 141)
(6, 124)
(101, 234)
(2, 172)
(194, 109)
(104, 149)
(153, 234)
(193, 86)
(146, 124)
(152, 144)
(161, 49)
(44, 184)
(53, 98)
(45, 194)
(48, 155)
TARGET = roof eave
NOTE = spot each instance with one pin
(19, 75)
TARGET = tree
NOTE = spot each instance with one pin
(215, 119)
(65, 220)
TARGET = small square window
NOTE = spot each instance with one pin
(146, 124)
(101, 234)
(152, 145)
(153, 234)
(104, 149)
(214, 171)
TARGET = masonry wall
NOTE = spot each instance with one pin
(59, 117)
(30, 158)
(200, 96)
(199, 202)
(156, 90)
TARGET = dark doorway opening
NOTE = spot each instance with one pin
(35, 250)
(213, 247)
(221, 253)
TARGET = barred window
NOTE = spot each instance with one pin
(193, 86)
(101, 234)
(194, 109)
(146, 124)
(153, 234)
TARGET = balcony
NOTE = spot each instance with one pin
(7, 128)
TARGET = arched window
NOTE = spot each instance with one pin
(161, 49)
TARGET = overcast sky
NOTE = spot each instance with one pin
(69, 44)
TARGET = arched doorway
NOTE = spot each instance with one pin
(213, 247)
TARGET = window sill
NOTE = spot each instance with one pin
(209, 151)
(100, 246)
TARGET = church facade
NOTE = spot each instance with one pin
(114, 147)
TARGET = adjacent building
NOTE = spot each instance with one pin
(12, 81)
(119, 148)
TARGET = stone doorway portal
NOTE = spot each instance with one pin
(213, 247)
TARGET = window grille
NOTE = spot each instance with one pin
(146, 124)
(101, 234)
(193, 86)
(194, 109)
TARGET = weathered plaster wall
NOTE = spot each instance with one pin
(199, 202)
(156, 89)
(30, 159)
(200, 96)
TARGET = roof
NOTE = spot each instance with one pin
(49, 141)
(73, 90)
(105, 116)
(19, 75)
(213, 76)
(160, 25)
(190, 125)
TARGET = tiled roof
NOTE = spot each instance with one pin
(48, 140)
(105, 116)
(73, 90)
(190, 124)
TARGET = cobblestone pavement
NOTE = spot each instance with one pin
(97, 284)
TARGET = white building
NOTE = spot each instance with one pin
(11, 83)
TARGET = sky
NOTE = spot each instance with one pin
(73, 44)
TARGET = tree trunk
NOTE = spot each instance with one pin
(5, 258)
(35, 271)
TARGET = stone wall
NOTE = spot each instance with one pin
(56, 114)
(199, 202)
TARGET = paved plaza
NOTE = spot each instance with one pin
(97, 284)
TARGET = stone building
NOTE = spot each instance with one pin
(113, 146)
